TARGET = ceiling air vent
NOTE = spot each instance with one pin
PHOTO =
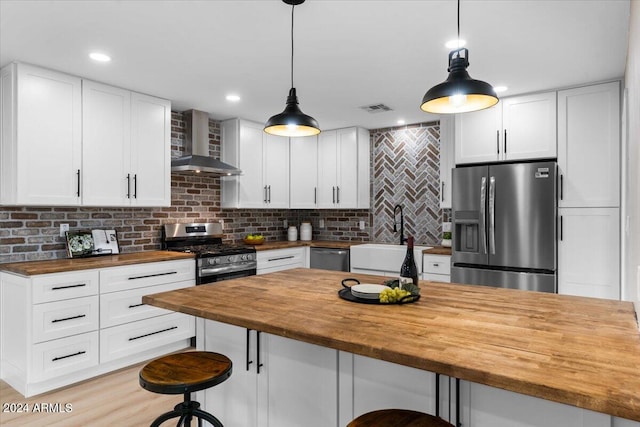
(376, 108)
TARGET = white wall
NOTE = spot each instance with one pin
(631, 285)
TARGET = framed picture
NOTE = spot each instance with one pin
(79, 243)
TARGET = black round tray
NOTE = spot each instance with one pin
(346, 294)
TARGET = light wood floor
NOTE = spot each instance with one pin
(112, 400)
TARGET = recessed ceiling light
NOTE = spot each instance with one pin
(100, 57)
(455, 44)
(401, 122)
(499, 89)
(233, 98)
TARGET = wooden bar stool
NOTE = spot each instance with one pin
(398, 418)
(184, 373)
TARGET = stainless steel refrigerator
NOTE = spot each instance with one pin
(504, 225)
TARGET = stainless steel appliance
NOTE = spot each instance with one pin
(330, 259)
(215, 260)
(504, 225)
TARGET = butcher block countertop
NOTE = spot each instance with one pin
(337, 244)
(32, 268)
(438, 250)
(578, 351)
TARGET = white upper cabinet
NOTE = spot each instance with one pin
(343, 169)
(150, 151)
(264, 161)
(67, 141)
(518, 128)
(106, 140)
(589, 146)
(41, 137)
(303, 192)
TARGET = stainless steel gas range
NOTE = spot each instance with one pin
(215, 260)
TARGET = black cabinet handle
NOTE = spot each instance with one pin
(498, 141)
(249, 362)
(152, 275)
(442, 192)
(153, 333)
(80, 316)
(334, 194)
(259, 365)
(280, 258)
(338, 192)
(269, 193)
(57, 288)
(128, 186)
(315, 195)
(135, 186)
(561, 228)
(78, 190)
(505, 141)
(561, 187)
(136, 305)
(69, 355)
(265, 194)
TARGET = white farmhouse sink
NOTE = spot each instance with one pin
(383, 257)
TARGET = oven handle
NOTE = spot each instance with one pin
(227, 269)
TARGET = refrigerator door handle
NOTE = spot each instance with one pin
(492, 214)
(483, 214)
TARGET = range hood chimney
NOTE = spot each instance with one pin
(196, 159)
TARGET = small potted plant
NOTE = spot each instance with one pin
(446, 239)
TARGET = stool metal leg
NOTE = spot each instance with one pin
(202, 415)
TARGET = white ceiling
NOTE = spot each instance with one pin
(348, 53)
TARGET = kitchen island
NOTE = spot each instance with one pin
(583, 352)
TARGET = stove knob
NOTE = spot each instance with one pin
(230, 259)
(214, 261)
(243, 257)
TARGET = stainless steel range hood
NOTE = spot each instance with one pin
(196, 159)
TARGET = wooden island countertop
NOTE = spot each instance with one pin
(578, 351)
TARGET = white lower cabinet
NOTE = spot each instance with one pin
(589, 252)
(61, 328)
(436, 268)
(276, 381)
(282, 259)
(484, 406)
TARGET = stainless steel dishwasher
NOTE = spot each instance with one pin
(330, 259)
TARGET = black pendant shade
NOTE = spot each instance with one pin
(292, 121)
(459, 93)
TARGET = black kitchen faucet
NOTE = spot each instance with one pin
(395, 229)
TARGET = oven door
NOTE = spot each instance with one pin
(218, 274)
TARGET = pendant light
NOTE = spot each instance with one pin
(459, 93)
(292, 121)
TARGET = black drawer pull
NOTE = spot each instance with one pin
(57, 288)
(69, 355)
(281, 258)
(153, 333)
(80, 316)
(153, 275)
(136, 305)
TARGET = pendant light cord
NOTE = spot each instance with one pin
(292, 7)
(458, 24)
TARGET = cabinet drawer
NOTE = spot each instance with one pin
(142, 275)
(121, 307)
(59, 319)
(64, 356)
(281, 257)
(131, 338)
(436, 277)
(61, 286)
(437, 264)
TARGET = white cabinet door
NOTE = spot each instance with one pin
(304, 172)
(276, 170)
(589, 146)
(529, 127)
(589, 252)
(106, 139)
(327, 168)
(447, 153)
(484, 406)
(41, 137)
(150, 151)
(347, 178)
(477, 135)
(299, 384)
(235, 401)
(252, 192)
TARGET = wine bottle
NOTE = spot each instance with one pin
(408, 270)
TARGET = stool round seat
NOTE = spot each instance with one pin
(185, 372)
(398, 418)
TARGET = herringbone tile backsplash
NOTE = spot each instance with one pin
(406, 172)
